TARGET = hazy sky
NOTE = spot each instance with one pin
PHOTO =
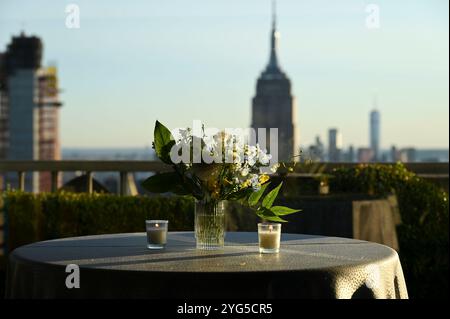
(176, 61)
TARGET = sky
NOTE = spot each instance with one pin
(179, 61)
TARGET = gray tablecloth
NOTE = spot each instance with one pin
(120, 266)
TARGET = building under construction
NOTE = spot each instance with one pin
(29, 110)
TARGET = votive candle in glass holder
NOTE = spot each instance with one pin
(269, 235)
(156, 233)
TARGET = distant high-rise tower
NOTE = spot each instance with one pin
(375, 133)
(351, 154)
(334, 145)
(274, 106)
(48, 104)
(28, 109)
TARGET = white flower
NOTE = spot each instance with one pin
(275, 167)
(251, 150)
(236, 158)
(245, 171)
(264, 158)
(251, 160)
(254, 181)
(250, 156)
(256, 187)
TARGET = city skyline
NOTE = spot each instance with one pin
(159, 71)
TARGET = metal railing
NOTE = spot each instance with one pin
(426, 170)
(88, 167)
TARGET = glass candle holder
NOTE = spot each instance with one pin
(156, 233)
(269, 235)
(324, 188)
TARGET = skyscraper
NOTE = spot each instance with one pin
(375, 133)
(351, 154)
(273, 105)
(28, 109)
(395, 156)
(48, 105)
(334, 145)
(315, 151)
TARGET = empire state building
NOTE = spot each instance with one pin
(274, 106)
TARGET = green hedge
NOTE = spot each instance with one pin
(424, 232)
(35, 217)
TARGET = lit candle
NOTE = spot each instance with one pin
(269, 237)
(324, 188)
(156, 233)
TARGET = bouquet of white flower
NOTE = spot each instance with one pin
(215, 168)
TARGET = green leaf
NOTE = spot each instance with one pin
(180, 189)
(255, 196)
(162, 183)
(267, 214)
(282, 210)
(166, 150)
(193, 186)
(163, 142)
(270, 198)
(264, 212)
(276, 219)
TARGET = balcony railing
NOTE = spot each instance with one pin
(431, 171)
(88, 167)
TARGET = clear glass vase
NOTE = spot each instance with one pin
(210, 224)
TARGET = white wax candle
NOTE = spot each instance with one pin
(157, 235)
(269, 239)
(324, 189)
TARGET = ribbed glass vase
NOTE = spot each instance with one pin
(210, 224)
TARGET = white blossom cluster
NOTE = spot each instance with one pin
(245, 160)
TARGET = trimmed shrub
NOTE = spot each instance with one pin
(35, 217)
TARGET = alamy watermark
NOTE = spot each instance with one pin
(231, 145)
(72, 16)
(373, 16)
(73, 279)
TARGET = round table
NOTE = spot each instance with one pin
(120, 266)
